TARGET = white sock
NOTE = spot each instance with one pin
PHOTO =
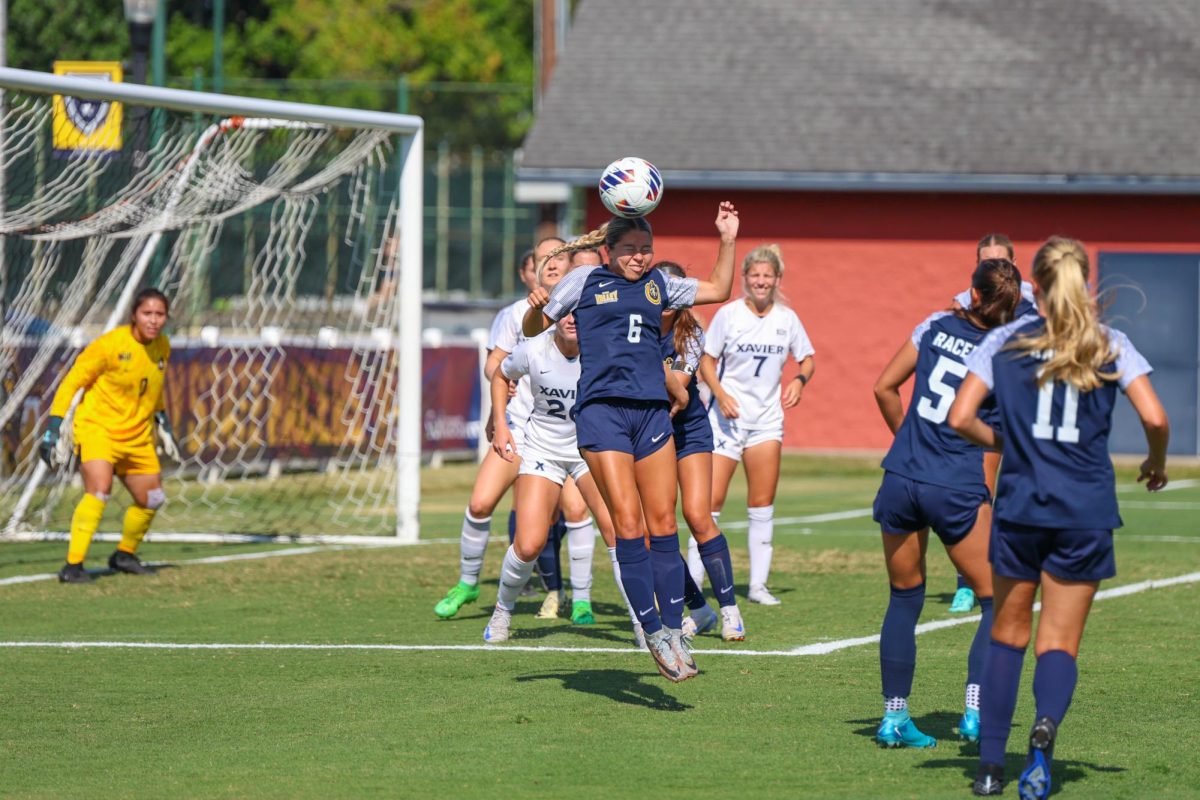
(762, 530)
(616, 567)
(694, 564)
(581, 544)
(473, 542)
(514, 574)
(895, 704)
(973, 696)
(716, 515)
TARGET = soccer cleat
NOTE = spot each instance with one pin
(964, 601)
(74, 573)
(581, 613)
(1034, 783)
(732, 629)
(497, 627)
(663, 650)
(968, 726)
(989, 780)
(551, 605)
(759, 594)
(120, 561)
(898, 730)
(639, 637)
(456, 598)
(682, 645)
(702, 619)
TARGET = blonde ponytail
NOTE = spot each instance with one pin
(590, 240)
(1078, 347)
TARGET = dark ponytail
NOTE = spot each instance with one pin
(998, 283)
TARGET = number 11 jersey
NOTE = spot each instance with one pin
(926, 449)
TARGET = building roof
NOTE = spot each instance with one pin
(1006, 95)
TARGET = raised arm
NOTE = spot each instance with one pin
(887, 387)
(716, 289)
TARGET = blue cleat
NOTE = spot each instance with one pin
(963, 602)
(1035, 780)
(968, 726)
(898, 730)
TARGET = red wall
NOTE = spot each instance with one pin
(864, 268)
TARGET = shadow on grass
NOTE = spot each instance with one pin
(1061, 771)
(621, 686)
(941, 725)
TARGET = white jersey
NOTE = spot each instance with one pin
(553, 378)
(506, 335)
(752, 351)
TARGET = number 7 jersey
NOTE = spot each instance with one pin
(1056, 471)
(926, 449)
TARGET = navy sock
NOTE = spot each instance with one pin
(962, 583)
(693, 595)
(549, 565)
(715, 555)
(637, 576)
(998, 700)
(983, 635)
(1054, 680)
(668, 578)
(898, 640)
(512, 526)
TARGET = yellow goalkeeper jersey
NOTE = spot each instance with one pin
(122, 381)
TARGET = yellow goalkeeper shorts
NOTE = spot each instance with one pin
(128, 458)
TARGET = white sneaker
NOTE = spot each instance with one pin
(759, 594)
(732, 629)
(662, 648)
(639, 637)
(552, 604)
(701, 620)
(497, 627)
(683, 654)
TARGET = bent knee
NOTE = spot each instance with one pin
(155, 499)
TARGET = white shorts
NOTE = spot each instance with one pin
(551, 468)
(730, 439)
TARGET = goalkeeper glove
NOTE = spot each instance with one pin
(52, 447)
(166, 439)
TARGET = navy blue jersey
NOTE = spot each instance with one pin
(926, 449)
(619, 323)
(686, 363)
(1056, 471)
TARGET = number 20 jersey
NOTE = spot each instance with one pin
(552, 379)
(1056, 471)
(926, 449)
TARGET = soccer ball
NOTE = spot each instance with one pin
(631, 187)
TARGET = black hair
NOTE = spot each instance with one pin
(149, 293)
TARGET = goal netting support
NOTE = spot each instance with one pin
(288, 238)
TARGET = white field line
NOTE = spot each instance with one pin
(1160, 505)
(819, 648)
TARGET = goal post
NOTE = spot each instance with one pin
(289, 239)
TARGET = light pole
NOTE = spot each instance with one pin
(140, 15)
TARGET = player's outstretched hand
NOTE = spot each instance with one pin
(539, 297)
(727, 220)
(1155, 475)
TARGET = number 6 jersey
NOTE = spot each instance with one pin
(926, 449)
(1056, 471)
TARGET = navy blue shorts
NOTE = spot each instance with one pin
(904, 505)
(693, 433)
(1023, 551)
(631, 426)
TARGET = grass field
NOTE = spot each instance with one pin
(578, 713)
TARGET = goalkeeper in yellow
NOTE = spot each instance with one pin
(121, 374)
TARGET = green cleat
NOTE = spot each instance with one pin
(898, 730)
(456, 598)
(581, 613)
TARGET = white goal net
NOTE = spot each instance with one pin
(288, 238)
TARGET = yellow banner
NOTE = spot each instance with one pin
(90, 125)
